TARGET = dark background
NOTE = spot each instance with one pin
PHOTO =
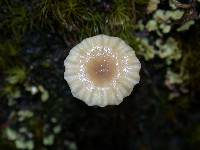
(37, 109)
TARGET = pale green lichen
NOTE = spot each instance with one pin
(165, 28)
(152, 5)
(11, 134)
(151, 25)
(173, 77)
(48, 140)
(160, 16)
(169, 50)
(146, 49)
(22, 144)
(57, 129)
(167, 16)
(19, 140)
(186, 26)
(175, 14)
(24, 114)
(44, 93)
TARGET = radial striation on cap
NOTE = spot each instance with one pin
(102, 70)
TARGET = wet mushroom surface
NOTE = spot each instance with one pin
(102, 70)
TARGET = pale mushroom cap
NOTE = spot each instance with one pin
(102, 70)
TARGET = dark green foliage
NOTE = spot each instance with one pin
(191, 59)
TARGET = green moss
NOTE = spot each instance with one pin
(9, 52)
(15, 19)
(190, 65)
(16, 75)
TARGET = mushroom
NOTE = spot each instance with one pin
(102, 70)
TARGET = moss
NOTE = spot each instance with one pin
(190, 65)
(191, 54)
(15, 18)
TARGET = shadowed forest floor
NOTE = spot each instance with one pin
(37, 109)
